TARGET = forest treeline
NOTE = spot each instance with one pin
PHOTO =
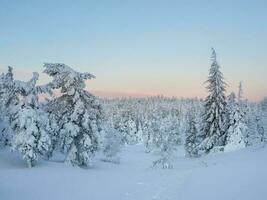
(79, 125)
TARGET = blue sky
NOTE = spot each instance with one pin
(139, 47)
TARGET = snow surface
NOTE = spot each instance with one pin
(239, 175)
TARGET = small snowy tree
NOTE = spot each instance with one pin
(125, 124)
(112, 144)
(240, 92)
(263, 106)
(215, 113)
(7, 89)
(237, 126)
(165, 143)
(191, 133)
(5, 133)
(255, 133)
(8, 98)
(148, 135)
(29, 122)
(77, 112)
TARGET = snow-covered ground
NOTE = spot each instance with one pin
(238, 175)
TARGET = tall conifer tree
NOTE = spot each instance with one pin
(215, 108)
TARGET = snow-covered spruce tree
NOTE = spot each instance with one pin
(237, 127)
(214, 128)
(29, 122)
(7, 89)
(78, 114)
(8, 98)
(191, 134)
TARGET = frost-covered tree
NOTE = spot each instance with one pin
(148, 133)
(240, 92)
(8, 98)
(29, 122)
(260, 126)
(237, 127)
(215, 113)
(151, 127)
(5, 133)
(263, 106)
(112, 144)
(255, 133)
(7, 89)
(242, 103)
(126, 125)
(164, 142)
(52, 129)
(191, 133)
(78, 114)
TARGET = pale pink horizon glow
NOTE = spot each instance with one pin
(169, 86)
